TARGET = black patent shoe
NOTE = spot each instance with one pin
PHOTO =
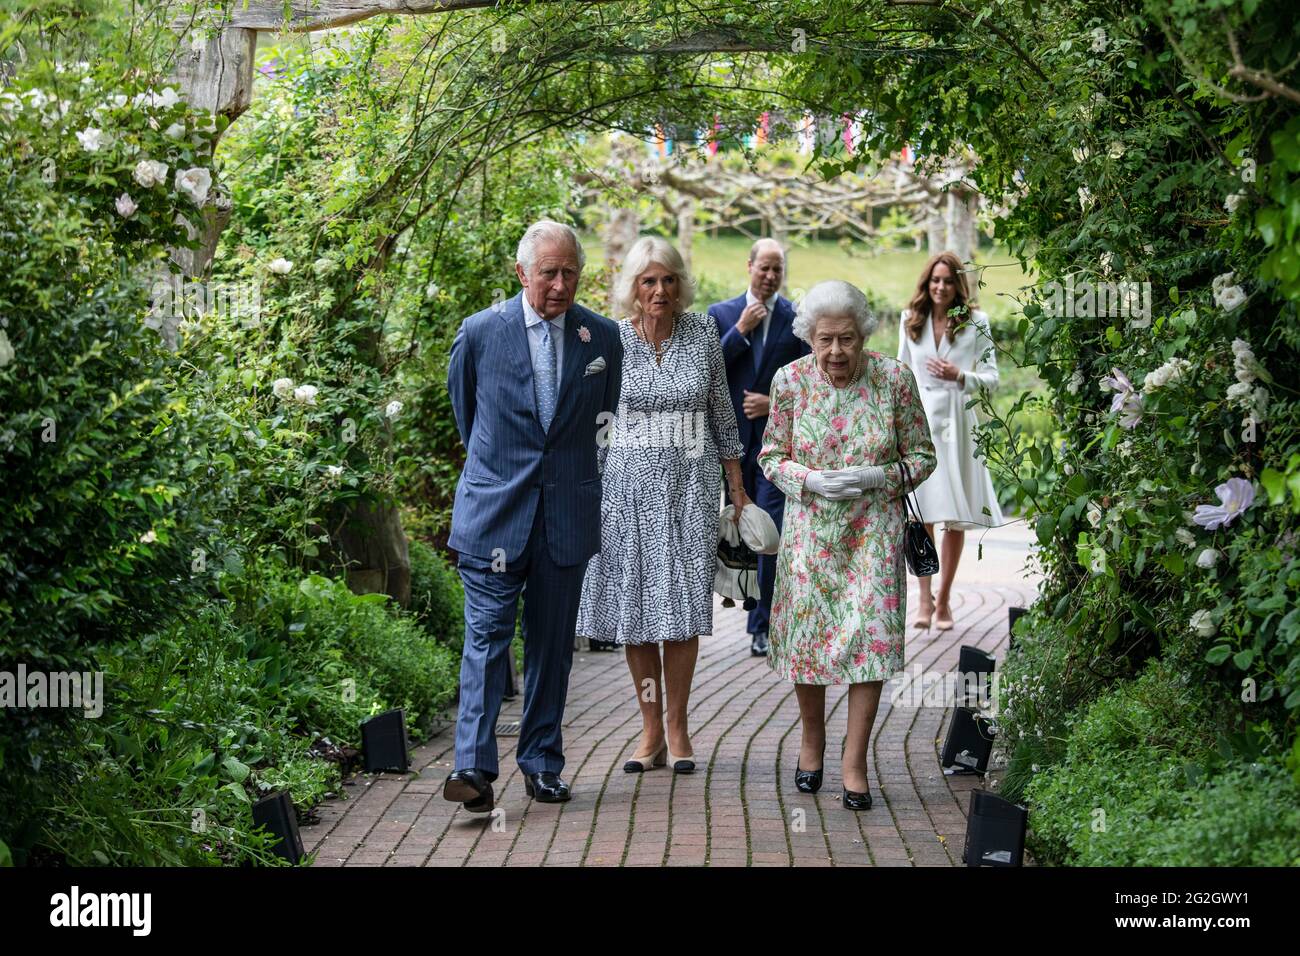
(546, 787)
(470, 787)
(809, 781)
(853, 800)
(758, 644)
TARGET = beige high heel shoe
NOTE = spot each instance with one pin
(642, 764)
(923, 622)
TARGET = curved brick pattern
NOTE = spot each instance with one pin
(740, 807)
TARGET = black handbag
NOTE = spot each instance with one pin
(918, 546)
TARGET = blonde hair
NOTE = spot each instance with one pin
(645, 252)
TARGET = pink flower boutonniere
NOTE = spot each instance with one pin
(584, 334)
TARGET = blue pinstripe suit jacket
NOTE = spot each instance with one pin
(509, 459)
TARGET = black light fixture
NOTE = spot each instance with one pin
(1014, 614)
(969, 742)
(971, 664)
(275, 812)
(383, 738)
(995, 831)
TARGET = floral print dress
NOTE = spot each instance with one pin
(841, 587)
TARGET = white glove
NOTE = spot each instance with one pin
(867, 477)
(833, 485)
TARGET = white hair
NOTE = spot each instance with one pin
(546, 230)
(834, 297)
(645, 252)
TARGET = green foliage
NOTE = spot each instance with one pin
(437, 595)
(226, 703)
(1147, 781)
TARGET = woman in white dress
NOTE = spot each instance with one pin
(651, 585)
(947, 343)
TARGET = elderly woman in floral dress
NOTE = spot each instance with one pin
(842, 420)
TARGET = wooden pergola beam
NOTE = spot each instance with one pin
(308, 15)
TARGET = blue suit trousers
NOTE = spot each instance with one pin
(551, 595)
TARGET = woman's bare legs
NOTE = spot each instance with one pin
(812, 721)
(949, 557)
(863, 700)
(643, 662)
(925, 607)
(679, 671)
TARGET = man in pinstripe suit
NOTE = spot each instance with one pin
(529, 381)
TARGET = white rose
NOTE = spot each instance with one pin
(1186, 537)
(1202, 624)
(36, 98)
(281, 267)
(393, 409)
(1208, 558)
(335, 470)
(6, 349)
(1230, 297)
(10, 106)
(324, 266)
(150, 172)
(126, 206)
(194, 183)
(282, 388)
(1116, 149)
(175, 131)
(1239, 391)
(92, 139)
(305, 394)
(149, 537)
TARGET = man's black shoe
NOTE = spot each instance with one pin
(470, 787)
(758, 644)
(546, 787)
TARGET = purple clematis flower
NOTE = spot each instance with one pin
(1235, 496)
(1126, 400)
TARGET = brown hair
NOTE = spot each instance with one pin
(918, 310)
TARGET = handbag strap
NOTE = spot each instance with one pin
(910, 507)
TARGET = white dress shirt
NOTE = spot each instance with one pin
(750, 299)
(533, 323)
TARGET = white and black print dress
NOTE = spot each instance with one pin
(653, 578)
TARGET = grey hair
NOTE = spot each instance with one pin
(541, 231)
(834, 296)
(645, 252)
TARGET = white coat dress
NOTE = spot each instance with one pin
(959, 490)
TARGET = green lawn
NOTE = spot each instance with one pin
(719, 264)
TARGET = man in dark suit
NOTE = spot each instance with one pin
(530, 380)
(757, 335)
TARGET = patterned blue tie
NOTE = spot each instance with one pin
(544, 378)
(759, 342)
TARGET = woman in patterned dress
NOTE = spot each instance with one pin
(652, 582)
(841, 420)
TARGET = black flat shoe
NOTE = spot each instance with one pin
(853, 800)
(809, 781)
(546, 787)
(758, 644)
(470, 787)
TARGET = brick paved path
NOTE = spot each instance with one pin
(740, 807)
